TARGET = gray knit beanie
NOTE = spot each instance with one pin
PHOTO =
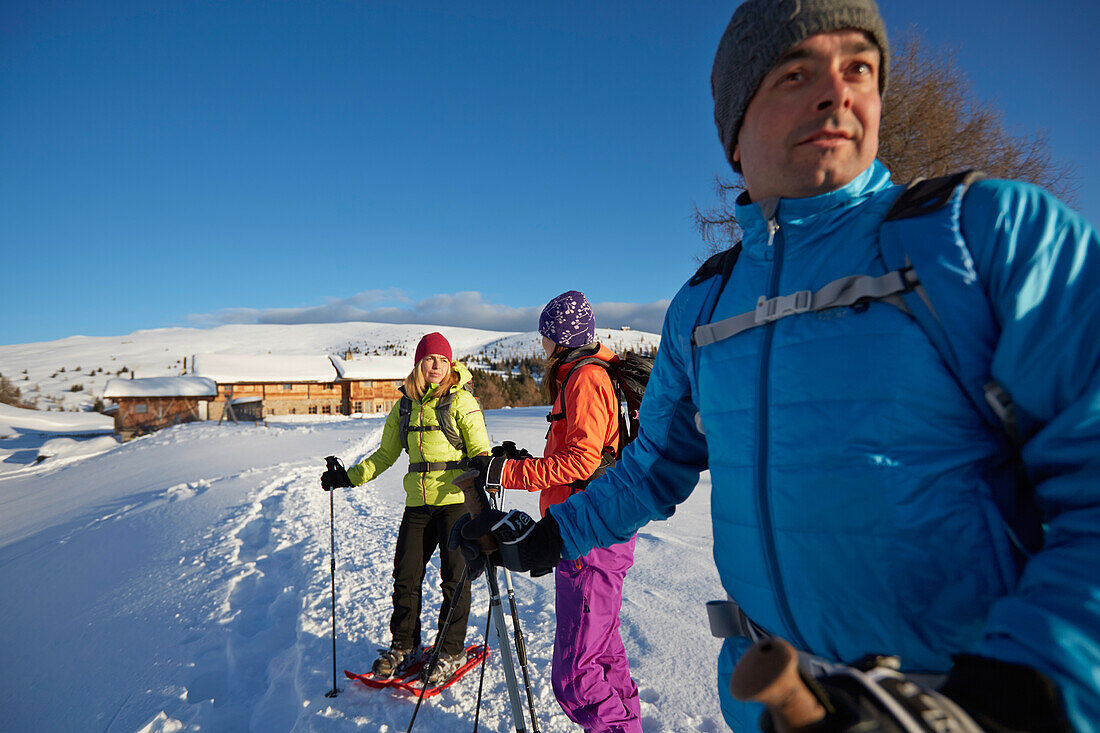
(760, 32)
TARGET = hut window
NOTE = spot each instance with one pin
(327, 409)
(142, 408)
(313, 409)
(288, 387)
(357, 406)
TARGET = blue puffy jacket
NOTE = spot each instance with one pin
(851, 479)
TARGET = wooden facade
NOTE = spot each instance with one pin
(369, 396)
(283, 398)
(342, 397)
(140, 415)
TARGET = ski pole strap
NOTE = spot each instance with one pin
(438, 466)
(728, 620)
(493, 474)
(853, 290)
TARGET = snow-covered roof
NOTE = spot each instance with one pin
(161, 387)
(271, 368)
(373, 367)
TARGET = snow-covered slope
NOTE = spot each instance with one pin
(70, 373)
(181, 582)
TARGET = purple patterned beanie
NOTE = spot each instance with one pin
(568, 320)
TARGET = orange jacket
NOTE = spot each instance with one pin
(574, 446)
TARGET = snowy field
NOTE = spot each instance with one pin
(181, 582)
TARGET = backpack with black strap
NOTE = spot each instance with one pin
(920, 241)
(446, 426)
(629, 377)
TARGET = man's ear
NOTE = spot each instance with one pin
(737, 153)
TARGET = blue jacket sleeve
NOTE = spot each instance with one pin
(1040, 262)
(661, 467)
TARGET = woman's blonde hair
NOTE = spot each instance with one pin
(416, 385)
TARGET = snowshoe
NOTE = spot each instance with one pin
(407, 679)
(392, 662)
(445, 668)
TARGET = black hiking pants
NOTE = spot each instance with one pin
(423, 529)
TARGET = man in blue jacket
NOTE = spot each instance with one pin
(855, 484)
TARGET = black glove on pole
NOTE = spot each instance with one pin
(508, 450)
(516, 541)
(334, 468)
(335, 477)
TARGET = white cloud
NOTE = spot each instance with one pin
(466, 309)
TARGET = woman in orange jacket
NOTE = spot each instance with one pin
(590, 673)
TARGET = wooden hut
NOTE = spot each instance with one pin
(152, 403)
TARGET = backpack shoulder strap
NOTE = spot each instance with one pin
(446, 421)
(928, 195)
(720, 264)
(922, 230)
(404, 413)
(555, 416)
(717, 264)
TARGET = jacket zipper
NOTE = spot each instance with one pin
(420, 443)
(767, 534)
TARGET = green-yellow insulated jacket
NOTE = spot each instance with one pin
(433, 487)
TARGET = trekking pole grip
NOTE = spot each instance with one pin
(476, 502)
(768, 673)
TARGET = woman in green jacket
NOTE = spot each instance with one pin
(438, 423)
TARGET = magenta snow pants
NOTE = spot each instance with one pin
(590, 672)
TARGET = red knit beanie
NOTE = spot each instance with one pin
(432, 343)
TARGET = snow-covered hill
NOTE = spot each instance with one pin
(69, 374)
(181, 582)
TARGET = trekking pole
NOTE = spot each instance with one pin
(332, 463)
(481, 676)
(476, 502)
(505, 649)
(433, 660)
(521, 645)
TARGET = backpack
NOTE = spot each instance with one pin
(629, 377)
(920, 241)
(442, 416)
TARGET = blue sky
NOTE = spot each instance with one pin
(197, 163)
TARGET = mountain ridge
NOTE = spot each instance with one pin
(70, 373)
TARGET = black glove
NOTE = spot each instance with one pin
(1004, 697)
(489, 470)
(335, 477)
(522, 544)
(508, 450)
